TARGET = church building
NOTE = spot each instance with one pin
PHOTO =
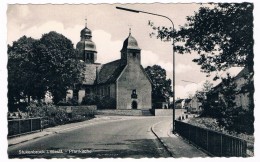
(124, 80)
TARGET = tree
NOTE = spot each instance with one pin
(22, 73)
(38, 66)
(221, 104)
(161, 88)
(58, 64)
(201, 95)
(221, 34)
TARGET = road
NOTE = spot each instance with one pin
(129, 137)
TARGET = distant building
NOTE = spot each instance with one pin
(195, 104)
(123, 80)
(242, 96)
(186, 104)
(179, 104)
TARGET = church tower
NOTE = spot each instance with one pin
(86, 47)
(130, 53)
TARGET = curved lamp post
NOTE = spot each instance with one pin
(173, 85)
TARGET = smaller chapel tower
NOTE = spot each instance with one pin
(86, 47)
(130, 53)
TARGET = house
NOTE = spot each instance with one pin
(123, 80)
(186, 104)
(179, 104)
(242, 96)
(195, 104)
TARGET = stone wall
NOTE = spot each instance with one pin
(120, 112)
(168, 112)
(79, 110)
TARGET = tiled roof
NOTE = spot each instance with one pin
(90, 73)
(187, 100)
(242, 73)
(110, 72)
(179, 101)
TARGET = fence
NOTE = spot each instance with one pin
(215, 143)
(22, 126)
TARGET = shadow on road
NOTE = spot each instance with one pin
(139, 148)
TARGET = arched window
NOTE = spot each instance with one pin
(134, 95)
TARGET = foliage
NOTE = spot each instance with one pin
(161, 88)
(102, 102)
(70, 102)
(58, 65)
(89, 100)
(23, 78)
(38, 66)
(207, 87)
(221, 34)
(106, 102)
(223, 108)
(56, 115)
(212, 124)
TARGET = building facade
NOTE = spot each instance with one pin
(123, 80)
(242, 98)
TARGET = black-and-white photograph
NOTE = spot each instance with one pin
(130, 80)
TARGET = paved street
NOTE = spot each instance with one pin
(121, 137)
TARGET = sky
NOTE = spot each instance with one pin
(110, 27)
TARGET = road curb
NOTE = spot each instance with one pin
(161, 141)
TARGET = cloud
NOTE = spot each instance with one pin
(188, 89)
(15, 32)
(182, 68)
(149, 58)
(108, 50)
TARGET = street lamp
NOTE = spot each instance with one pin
(173, 85)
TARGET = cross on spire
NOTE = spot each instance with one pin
(130, 29)
(85, 22)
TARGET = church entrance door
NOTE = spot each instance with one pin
(134, 105)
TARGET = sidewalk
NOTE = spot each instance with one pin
(61, 128)
(174, 144)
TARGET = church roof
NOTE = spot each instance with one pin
(110, 72)
(130, 43)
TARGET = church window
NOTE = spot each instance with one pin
(134, 95)
(134, 55)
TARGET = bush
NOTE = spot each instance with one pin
(89, 100)
(106, 102)
(56, 116)
(71, 102)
